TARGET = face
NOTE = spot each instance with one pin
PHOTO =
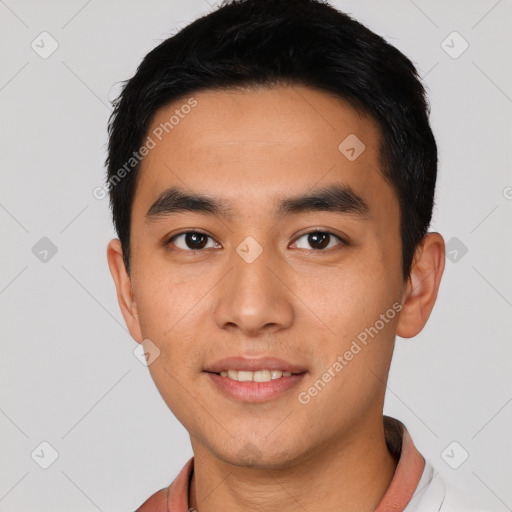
(256, 267)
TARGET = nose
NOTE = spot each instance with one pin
(254, 297)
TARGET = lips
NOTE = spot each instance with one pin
(251, 383)
(240, 363)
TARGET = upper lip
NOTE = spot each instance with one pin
(254, 364)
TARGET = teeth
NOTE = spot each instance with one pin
(260, 376)
(244, 376)
(257, 376)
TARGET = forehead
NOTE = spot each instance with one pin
(258, 144)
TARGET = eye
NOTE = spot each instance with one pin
(318, 240)
(193, 241)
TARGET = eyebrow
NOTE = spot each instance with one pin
(176, 200)
(333, 198)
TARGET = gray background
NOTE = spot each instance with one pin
(68, 373)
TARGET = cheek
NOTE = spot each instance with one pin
(172, 305)
(179, 396)
(169, 316)
(358, 304)
(166, 300)
(348, 298)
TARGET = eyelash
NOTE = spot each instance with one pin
(170, 240)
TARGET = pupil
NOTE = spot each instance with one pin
(192, 240)
(318, 240)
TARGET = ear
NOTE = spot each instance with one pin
(124, 288)
(422, 285)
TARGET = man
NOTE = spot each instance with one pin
(271, 172)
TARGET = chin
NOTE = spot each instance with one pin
(260, 455)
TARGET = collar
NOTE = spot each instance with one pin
(409, 470)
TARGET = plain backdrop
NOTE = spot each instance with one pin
(69, 378)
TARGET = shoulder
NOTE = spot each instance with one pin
(155, 503)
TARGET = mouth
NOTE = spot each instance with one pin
(264, 375)
(254, 380)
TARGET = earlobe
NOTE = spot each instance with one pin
(422, 286)
(124, 290)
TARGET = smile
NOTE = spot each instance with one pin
(254, 386)
(256, 376)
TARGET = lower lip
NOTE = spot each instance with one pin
(255, 391)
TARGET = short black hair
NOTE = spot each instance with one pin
(253, 43)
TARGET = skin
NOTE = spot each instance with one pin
(305, 305)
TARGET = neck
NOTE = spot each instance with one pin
(350, 475)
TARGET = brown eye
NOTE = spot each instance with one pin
(192, 241)
(318, 240)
